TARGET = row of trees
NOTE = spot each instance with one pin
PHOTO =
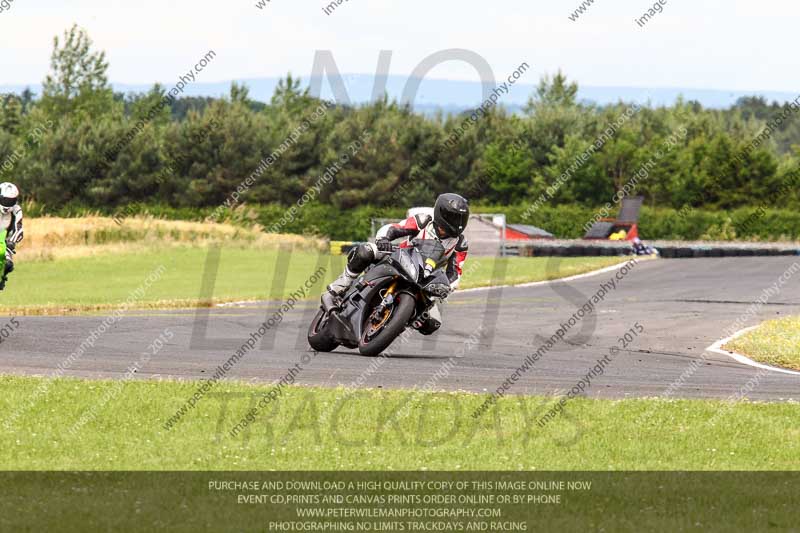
(63, 147)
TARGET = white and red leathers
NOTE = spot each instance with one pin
(420, 226)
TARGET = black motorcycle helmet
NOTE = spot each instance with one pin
(450, 215)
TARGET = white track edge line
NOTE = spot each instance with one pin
(717, 348)
(548, 281)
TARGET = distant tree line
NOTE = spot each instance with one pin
(74, 145)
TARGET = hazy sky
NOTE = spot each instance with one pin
(707, 44)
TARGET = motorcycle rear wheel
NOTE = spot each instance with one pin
(402, 312)
(319, 338)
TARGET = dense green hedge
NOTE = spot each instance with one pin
(562, 221)
(747, 223)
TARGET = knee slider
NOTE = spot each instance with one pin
(429, 326)
(360, 258)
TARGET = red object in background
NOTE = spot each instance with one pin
(525, 232)
(632, 229)
(627, 220)
(513, 235)
(613, 226)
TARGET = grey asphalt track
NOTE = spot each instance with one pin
(683, 307)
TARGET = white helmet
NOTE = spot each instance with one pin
(9, 195)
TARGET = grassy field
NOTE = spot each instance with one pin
(104, 276)
(315, 428)
(775, 342)
(50, 238)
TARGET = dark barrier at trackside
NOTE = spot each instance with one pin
(667, 249)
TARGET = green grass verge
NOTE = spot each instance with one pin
(317, 428)
(102, 281)
(775, 342)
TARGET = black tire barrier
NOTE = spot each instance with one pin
(607, 251)
(581, 249)
(575, 251)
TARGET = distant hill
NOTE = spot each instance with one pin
(451, 96)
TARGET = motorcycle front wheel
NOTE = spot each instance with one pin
(380, 331)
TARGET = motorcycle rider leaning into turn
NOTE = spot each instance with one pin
(11, 222)
(450, 217)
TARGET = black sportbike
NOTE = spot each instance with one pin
(390, 295)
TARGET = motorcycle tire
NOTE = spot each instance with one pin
(403, 311)
(318, 336)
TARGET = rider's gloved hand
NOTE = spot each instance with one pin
(383, 244)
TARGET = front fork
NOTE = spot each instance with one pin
(388, 298)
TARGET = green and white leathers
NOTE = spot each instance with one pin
(11, 227)
(10, 211)
(7, 264)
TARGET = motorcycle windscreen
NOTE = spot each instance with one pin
(432, 252)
